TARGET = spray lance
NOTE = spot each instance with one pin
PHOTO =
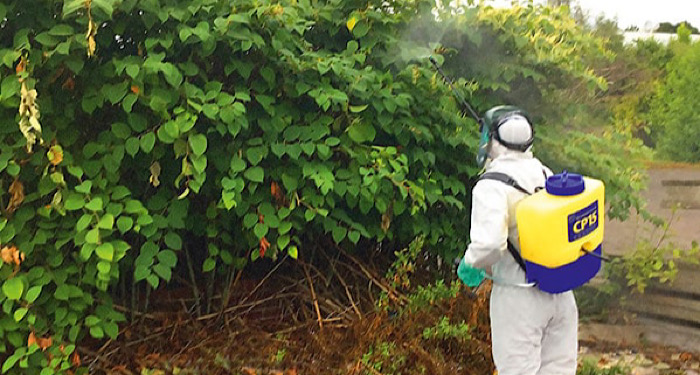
(485, 130)
(484, 126)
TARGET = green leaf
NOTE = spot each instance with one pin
(105, 251)
(167, 257)
(46, 39)
(114, 93)
(104, 5)
(361, 28)
(128, 102)
(163, 271)
(255, 155)
(131, 146)
(260, 230)
(357, 108)
(86, 251)
(332, 141)
(20, 313)
(13, 288)
(10, 87)
(250, 219)
(237, 165)
(255, 174)
(121, 130)
(339, 233)
(95, 204)
(12, 360)
(132, 70)
(111, 329)
(285, 227)
(72, 6)
(198, 143)
(83, 222)
(173, 241)
(361, 132)
(85, 187)
(354, 236)
(62, 30)
(33, 293)
(104, 267)
(97, 332)
(93, 236)
(62, 292)
(148, 140)
(282, 242)
(209, 265)
(106, 222)
(293, 251)
(74, 202)
(290, 183)
(120, 192)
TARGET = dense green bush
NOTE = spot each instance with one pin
(143, 140)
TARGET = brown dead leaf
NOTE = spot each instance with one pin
(68, 84)
(17, 195)
(264, 245)
(248, 371)
(45, 342)
(277, 192)
(685, 357)
(31, 339)
(75, 359)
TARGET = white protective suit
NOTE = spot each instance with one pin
(533, 332)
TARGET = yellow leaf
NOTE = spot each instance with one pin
(351, 23)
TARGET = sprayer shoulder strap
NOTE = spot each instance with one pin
(504, 178)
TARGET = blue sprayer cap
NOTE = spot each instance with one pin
(565, 184)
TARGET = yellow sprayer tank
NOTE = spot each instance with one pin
(561, 232)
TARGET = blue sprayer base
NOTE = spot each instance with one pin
(566, 277)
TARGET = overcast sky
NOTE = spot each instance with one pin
(637, 12)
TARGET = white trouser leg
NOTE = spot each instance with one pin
(560, 342)
(532, 331)
(517, 326)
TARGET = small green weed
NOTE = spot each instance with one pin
(589, 367)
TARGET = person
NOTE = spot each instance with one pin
(533, 332)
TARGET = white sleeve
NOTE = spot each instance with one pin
(489, 224)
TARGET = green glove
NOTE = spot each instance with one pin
(469, 275)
